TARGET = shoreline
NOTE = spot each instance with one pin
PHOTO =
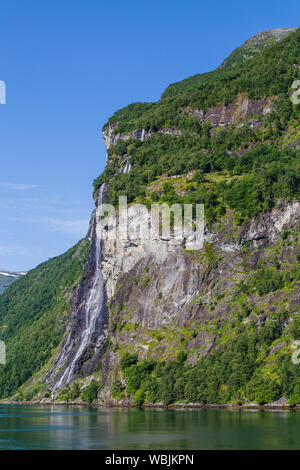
(172, 406)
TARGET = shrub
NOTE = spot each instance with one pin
(117, 390)
(295, 397)
(90, 393)
(75, 391)
(139, 397)
(295, 327)
(167, 397)
(271, 331)
(263, 390)
(181, 357)
(128, 360)
(267, 280)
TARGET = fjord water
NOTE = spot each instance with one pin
(67, 427)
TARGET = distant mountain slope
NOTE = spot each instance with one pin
(7, 277)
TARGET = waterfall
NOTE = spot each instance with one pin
(127, 167)
(92, 309)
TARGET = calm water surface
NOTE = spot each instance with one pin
(67, 427)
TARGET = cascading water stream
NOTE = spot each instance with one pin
(93, 307)
(127, 167)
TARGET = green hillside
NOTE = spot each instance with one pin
(33, 313)
(241, 166)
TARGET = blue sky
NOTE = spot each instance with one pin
(68, 65)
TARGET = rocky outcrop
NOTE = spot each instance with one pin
(238, 112)
(111, 138)
(254, 45)
(264, 38)
(121, 256)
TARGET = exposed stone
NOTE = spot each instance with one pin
(111, 138)
(236, 112)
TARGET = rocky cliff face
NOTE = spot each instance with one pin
(111, 138)
(150, 293)
(241, 111)
(157, 289)
(141, 294)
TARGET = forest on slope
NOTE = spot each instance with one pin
(33, 314)
(245, 166)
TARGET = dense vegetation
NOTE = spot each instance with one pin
(269, 73)
(239, 57)
(249, 184)
(241, 168)
(33, 312)
(234, 372)
(72, 392)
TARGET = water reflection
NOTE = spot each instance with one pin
(62, 427)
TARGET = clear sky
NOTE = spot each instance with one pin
(68, 65)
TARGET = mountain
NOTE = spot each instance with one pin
(239, 57)
(254, 45)
(136, 320)
(6, 278)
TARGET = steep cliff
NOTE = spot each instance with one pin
(154, 321)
